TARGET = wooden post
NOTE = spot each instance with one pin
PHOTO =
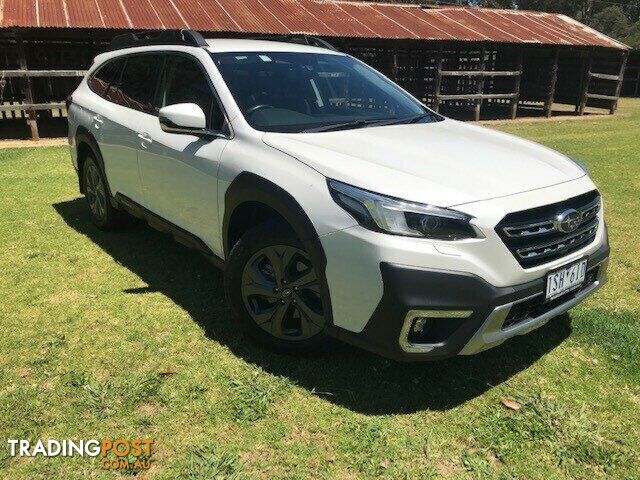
(578, 99)
(623, 64)
(480, 85)
(637, 90)
(395, 68)
(438, 80)
(548, 104)
(28, 93)
(3, 86)
(585, 85)
(517, 81)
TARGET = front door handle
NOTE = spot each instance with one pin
(145, 140)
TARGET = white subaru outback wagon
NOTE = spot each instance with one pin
(338, 204)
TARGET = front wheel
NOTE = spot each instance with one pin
(274, 289)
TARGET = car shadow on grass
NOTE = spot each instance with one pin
(343, 375)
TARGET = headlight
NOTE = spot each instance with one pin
(580, 165)
(399, 217)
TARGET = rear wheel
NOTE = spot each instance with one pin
(97, 196)
(274, 290)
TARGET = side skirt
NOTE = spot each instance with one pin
(187, 239)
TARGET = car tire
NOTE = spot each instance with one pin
(273, 290)
(96, 192)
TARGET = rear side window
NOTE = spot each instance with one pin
(99, 82)
(186, 82)
(137, 86)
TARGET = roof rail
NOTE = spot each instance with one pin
(159, 37)
(300, 38)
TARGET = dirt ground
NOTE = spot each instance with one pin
(43, 142)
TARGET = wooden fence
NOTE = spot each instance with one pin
(39, 68)
(631, 84)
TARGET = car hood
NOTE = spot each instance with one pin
(444, 163)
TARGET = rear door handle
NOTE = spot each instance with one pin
(145, 140)
(97, 122)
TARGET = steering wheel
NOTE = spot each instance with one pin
(255, 108)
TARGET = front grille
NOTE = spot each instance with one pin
(536, 306)
(533, 239)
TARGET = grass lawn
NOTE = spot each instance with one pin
(127, 335)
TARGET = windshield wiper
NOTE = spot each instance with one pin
(342, 126)
(367, 123)
(413, 119)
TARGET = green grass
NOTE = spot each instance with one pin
(128, 335)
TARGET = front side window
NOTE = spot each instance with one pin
(137, 85)
(296, 92)
(184, 81)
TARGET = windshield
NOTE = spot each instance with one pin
(296, 92)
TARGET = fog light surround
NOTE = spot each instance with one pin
(419, 321)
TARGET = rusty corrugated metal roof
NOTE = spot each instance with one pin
(314, 17)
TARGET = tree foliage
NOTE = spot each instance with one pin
(612, 21)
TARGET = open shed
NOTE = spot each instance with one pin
(631, 83)
(468, 63)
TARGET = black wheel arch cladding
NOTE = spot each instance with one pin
(249, 187)
(85, 137)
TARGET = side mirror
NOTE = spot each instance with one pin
(185, 118)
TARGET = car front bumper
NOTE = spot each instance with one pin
(464, 313)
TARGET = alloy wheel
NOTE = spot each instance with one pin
(281, 292)
(95, 191)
